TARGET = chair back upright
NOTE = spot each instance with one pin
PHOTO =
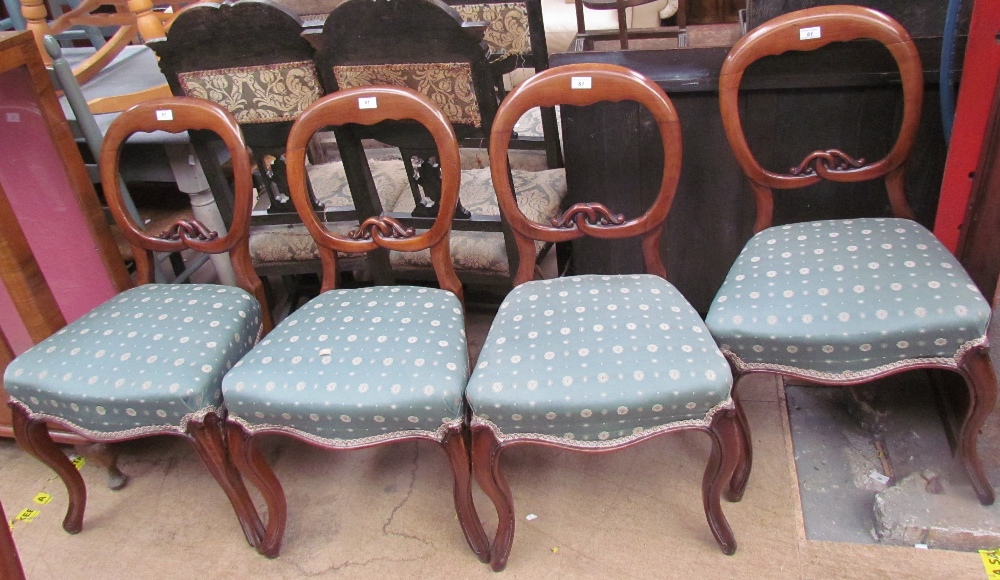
(580, 85)
(173, 115)
(368, 106)
(807, 30)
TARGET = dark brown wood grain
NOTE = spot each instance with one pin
(979, 245)
(10, 561)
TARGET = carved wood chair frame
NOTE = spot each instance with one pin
(843, 24)
(205, 432)
(377, 232)
(549, 88)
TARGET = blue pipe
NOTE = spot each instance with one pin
(946, 81)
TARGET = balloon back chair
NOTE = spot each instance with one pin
(150, 360)
(357, 368)
(844, 302)
(595, 363)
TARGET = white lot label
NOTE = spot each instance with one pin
(580, 82)
(165, 115)
(367, 103)
(811, 33)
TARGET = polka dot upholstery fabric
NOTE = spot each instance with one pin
(597, 358)
(352, 366)
(143, 361)
(846, 297)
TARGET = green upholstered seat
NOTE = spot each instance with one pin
(144, 361)
(597, 358)
(847, 297)
(352, 366)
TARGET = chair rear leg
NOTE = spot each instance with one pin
(206, 435)
(105, 455)
(738, 484)
(33, 436)
(252, 465)
(981, 381)
(486, 468)
(461, 466)
(724, 432)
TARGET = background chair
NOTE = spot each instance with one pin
(840, 303)
(423, 45)
(358, 368)
(10, 562)
(587, 38)
(595, 363)
(149, 361)
(515, 38)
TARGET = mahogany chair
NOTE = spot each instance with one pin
(149, 361)
(596, 363)
(845, 302)
(361, 367)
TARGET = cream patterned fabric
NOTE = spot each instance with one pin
(539, 195)
(507, 34)
(353, 365)
(293, 243)
(846, 297)
(257, 94)
(597, 358)
(448, 84)
(144, 361)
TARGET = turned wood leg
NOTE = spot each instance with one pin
(106, 456)
(486, 468)
(982, 384)
(738, 484)
(458, 454)
(10, 562)
(207, 438)
(33, 436)
(252, 465)
(725, 436)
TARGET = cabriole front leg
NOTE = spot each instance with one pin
(207, 438)
(486, 450)
(981, 381)
(33, 436)
(726, 440)
(253, 466)
(461, 466)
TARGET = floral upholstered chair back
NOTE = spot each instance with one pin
(250, 58)
(418, 44)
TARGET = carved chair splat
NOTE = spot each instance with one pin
(516, 397)
(350, 381)
(150, 360)
(845, 302)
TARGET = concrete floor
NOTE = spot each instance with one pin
(388, 511)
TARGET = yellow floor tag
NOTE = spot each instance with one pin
(991, 561)
(43, 498)
(27, 515)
